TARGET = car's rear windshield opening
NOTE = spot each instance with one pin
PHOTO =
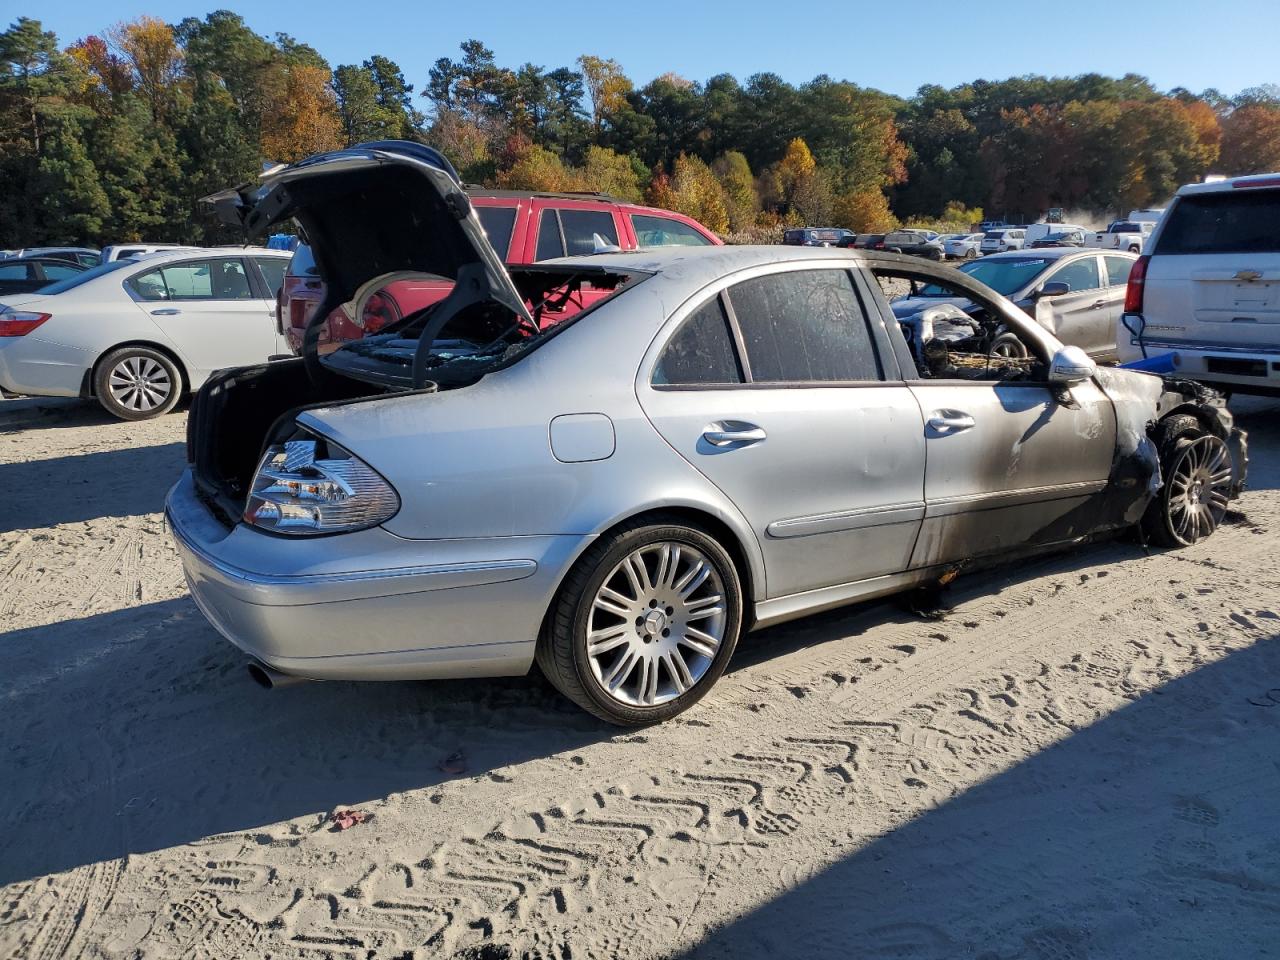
(482, 337)
(1242, 221)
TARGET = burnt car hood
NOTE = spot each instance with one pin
(375, 209)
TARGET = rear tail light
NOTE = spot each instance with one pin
(307, 486)
(18, 323)
(379, 311)
(1137, 285)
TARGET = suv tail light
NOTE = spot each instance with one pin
(1137, 285)
(18, 323)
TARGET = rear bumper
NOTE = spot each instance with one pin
(41, 368)
(369, 605)
(1241, 367)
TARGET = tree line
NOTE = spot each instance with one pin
(115, 136)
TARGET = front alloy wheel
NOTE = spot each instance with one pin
(645, 623)
(1198, 475)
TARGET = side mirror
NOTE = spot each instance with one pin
(1054, 288)
(1071, 365)
(600, 245)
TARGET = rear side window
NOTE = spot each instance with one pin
(196, 280)
(701, 351)
(498, 223)
(804, 326)
(581, 227)
(1118, 270)
(664, 232)
(549, 242)
(1242, 221)
(17, 271)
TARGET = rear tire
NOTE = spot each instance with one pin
(1197, 471)
(137, 383)
(645, 622)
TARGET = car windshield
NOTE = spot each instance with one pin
(1005, 277)
(62, 286)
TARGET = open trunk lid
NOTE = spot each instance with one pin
(373, 210)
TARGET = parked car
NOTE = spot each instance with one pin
(1127, 235)
(1001, 240)
(868, 241)
(962, 246)
(1076, 295)
(986, 225)
(1063, 238)
(818, 237)
(137, 334)
(916, 243)
(1209, 287)
(28, 274)
(620, 496)
(85, 256)
(1039, 231)
(124, 251)
(524, 227)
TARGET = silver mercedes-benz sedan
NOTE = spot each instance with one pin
(614, 465)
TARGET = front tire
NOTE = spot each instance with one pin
(137, 383)
(645, 623)
(1197, 471)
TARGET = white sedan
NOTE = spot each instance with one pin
(961, 246)
(136, 334)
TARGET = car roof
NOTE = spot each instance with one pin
(1234, 183)
(183, 253)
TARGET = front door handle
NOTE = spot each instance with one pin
(1099, 304)
(947, 422)
(729, 433)
(166, 312)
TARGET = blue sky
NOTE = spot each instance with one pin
(892, 45)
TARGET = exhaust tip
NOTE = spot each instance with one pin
(271, 679)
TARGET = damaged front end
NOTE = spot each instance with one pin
(1142, 401)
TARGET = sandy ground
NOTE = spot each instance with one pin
(1081, 759)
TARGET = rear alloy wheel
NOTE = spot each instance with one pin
(137, 383)
(971, 254)
(645, 624)
(1197, 471)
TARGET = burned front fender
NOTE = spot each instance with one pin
(1142, 401)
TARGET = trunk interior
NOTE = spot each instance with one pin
(232, 417)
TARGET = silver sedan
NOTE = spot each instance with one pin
(614, 465)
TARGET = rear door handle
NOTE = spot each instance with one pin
(947, 422)
(729, 433)
(1099, 304)
(166, 312)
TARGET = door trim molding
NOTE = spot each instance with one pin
(843, 520)
(976, 502)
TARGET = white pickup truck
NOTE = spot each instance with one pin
(1129, 235)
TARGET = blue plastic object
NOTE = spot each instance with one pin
(1160, 363)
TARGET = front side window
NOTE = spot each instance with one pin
(1078, 275)
(272, 272)
(701, 351)
(60, 271)
(17, 271)
(1118, 271)
(665, 232)
(581, 227)
(804, 326)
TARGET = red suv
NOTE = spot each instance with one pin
(523, 228)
